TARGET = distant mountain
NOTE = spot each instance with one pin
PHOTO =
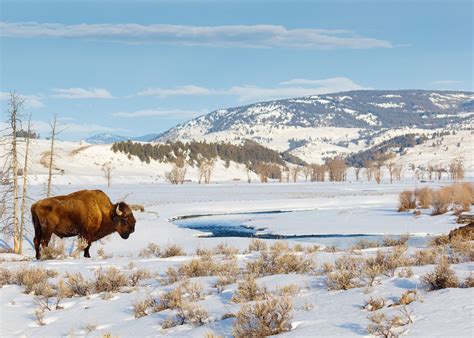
(319, 126)
(107, 138)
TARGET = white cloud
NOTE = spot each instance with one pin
(81, 93)
(31, 101)
(291, 88)
(176, 113)
(184, 90)
(244, 36)
(66, 129)
(446, 82)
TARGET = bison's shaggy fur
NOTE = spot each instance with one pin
(87, 213)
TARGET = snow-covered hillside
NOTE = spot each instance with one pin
(321, 126)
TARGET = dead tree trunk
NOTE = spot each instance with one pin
(50, 166)
(23, 196)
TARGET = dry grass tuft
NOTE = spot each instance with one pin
(441, 278)
(262, 319)
(78, 285)
(391, 241)
(288, 290)
(257, 245)
(141, 308)
(54, 250)
(280, 262)
(172, 250)
(248, 290)
(374, 304)
(138, 275)
(225, 249)
(151, 250)
(110, 280)
(425, 256)
(346, 274)
(365, 244)
(406, 272)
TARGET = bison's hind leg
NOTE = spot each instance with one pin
(38, 232)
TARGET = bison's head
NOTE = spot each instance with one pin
(123, 219)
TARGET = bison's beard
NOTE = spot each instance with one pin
(125, 236)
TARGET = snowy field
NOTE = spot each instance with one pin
(336, 208)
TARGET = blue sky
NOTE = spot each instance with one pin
(138, 67)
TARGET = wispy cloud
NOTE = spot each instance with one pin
(81, 93)
(171, 113)
(286, 89)
(244, 36)
(73, 129)
(446, 82)
(31, 101)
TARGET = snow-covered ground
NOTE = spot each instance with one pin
(324, 208)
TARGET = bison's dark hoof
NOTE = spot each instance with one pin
(87, 255)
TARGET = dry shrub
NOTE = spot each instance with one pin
(173, 250)
(346, 270)
(392, 241)
(151, 250)
(203, 266)
(110, 280)
(78, 285)
(405, 273)
(81, 244)
(193, 290)
(374, 304)
(365, 244)
(91, 327)
(141, 308)
(374, 267)
(248, 290)
(469, 281)
(327, 267)
(193, 314)
(101, 253)
(203, 252)
(211, 334)
(137, 275)
(383, 326)
(171, 299)
(463, 195)
(441, 278)
(6, 277)
(225, 249)
(424, 197)
(331, 248)
(312, 248)
(280, 262)
(137, 207)
(408, 296)
(280, 246)
(441, 201)
(298, 248)
(39, 316)
(425, 257)
(288, 290)
(54, 250)
(406, 200)
(266, 318)
(33, 278)
(461, 251)
(440, 240)
(257, 245)
(172, 276)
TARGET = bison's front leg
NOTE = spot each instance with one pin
(86, 250)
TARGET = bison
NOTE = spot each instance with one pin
(87, 213)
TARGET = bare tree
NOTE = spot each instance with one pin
(107, 168)
(249, 171)
(25, 174)
(307, 171)
(178, 172)
(368, 170)
(456, 169)
(51, 154)
(10, 199)
(337, 169)
(295, 172)
(319, 173)
(357, 172)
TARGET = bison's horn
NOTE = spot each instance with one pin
(117, 210)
